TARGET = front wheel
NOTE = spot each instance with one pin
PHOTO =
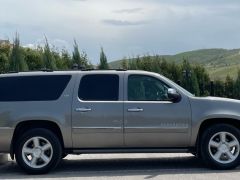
(220, 147)
(38, 151)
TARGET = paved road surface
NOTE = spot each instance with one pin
(125, 166)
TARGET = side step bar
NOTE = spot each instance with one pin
(127, 150)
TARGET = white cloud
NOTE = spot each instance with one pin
(120, 25)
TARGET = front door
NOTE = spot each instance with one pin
(150, 118)
(97, 116)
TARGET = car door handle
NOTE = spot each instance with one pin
(135, 110)
(83, 109)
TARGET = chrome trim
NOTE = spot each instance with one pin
(88, 130)
(135, 110)
(83, 109)
(130, 150)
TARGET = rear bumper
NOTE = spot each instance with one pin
(6, 134)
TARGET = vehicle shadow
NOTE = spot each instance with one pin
(148, 167)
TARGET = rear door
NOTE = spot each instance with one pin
(97, 116)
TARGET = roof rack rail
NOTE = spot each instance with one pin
(92, 69)
(46, 70)
(10, 72)
(51, 70)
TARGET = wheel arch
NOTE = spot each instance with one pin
(23, 126)
(211, 121)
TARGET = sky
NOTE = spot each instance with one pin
(124, 28)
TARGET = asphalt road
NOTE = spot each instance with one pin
(125, 166)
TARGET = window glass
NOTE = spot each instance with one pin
(33, 88)
(101, 87)
(146, 88)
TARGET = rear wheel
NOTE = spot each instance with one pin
(64, 155)
(38, 151)
(220, 147)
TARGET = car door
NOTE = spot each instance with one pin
(150, 118)
(97, 116)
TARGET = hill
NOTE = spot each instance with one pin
(218, 62)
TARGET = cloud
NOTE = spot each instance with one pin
(129, 11)
(123, 22)
(123, 27)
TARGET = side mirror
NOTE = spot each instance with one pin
(173, 95)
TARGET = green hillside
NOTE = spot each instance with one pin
(218, 62)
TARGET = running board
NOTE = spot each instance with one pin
(128, 150)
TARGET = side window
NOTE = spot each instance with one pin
(33, 88)
(146, 88)
(99, 87)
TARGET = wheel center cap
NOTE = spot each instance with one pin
(37, 152)
(223, 148)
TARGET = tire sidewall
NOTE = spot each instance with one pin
(54, 141)
(207, 135)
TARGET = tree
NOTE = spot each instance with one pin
(132, 65)
(4, 57)
(189, 80)
(202, 78)
(84, 60)
(76, 54)
(48, 58)
(229, 85)
(17, 62)
(5, 49)
(219, 88)
(103, 60)
(66, 60)
(33, 58)
(3, 63)
(124, 63)
(80, 58)
(237, 86)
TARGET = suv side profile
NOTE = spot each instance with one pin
(46, 115)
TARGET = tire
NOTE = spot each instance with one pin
(38, 151)
(64, 155)
(220, 147)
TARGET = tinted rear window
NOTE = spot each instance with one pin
(99, 87)
(32, 88)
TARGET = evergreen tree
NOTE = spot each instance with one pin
(132, 64)
(76, 54)
(67, 62)
(3, 63)
(80, 59)
(33, 58)
(48, 57)
(103, 60)
(84, 60)
(237, 86)
(58, 60)
(189, 80)
(124, 63)
(203, 79)
(219, 88)
(229, 85)
(174, 71)
(17, 62)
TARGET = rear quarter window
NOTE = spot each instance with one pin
(33, 88)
